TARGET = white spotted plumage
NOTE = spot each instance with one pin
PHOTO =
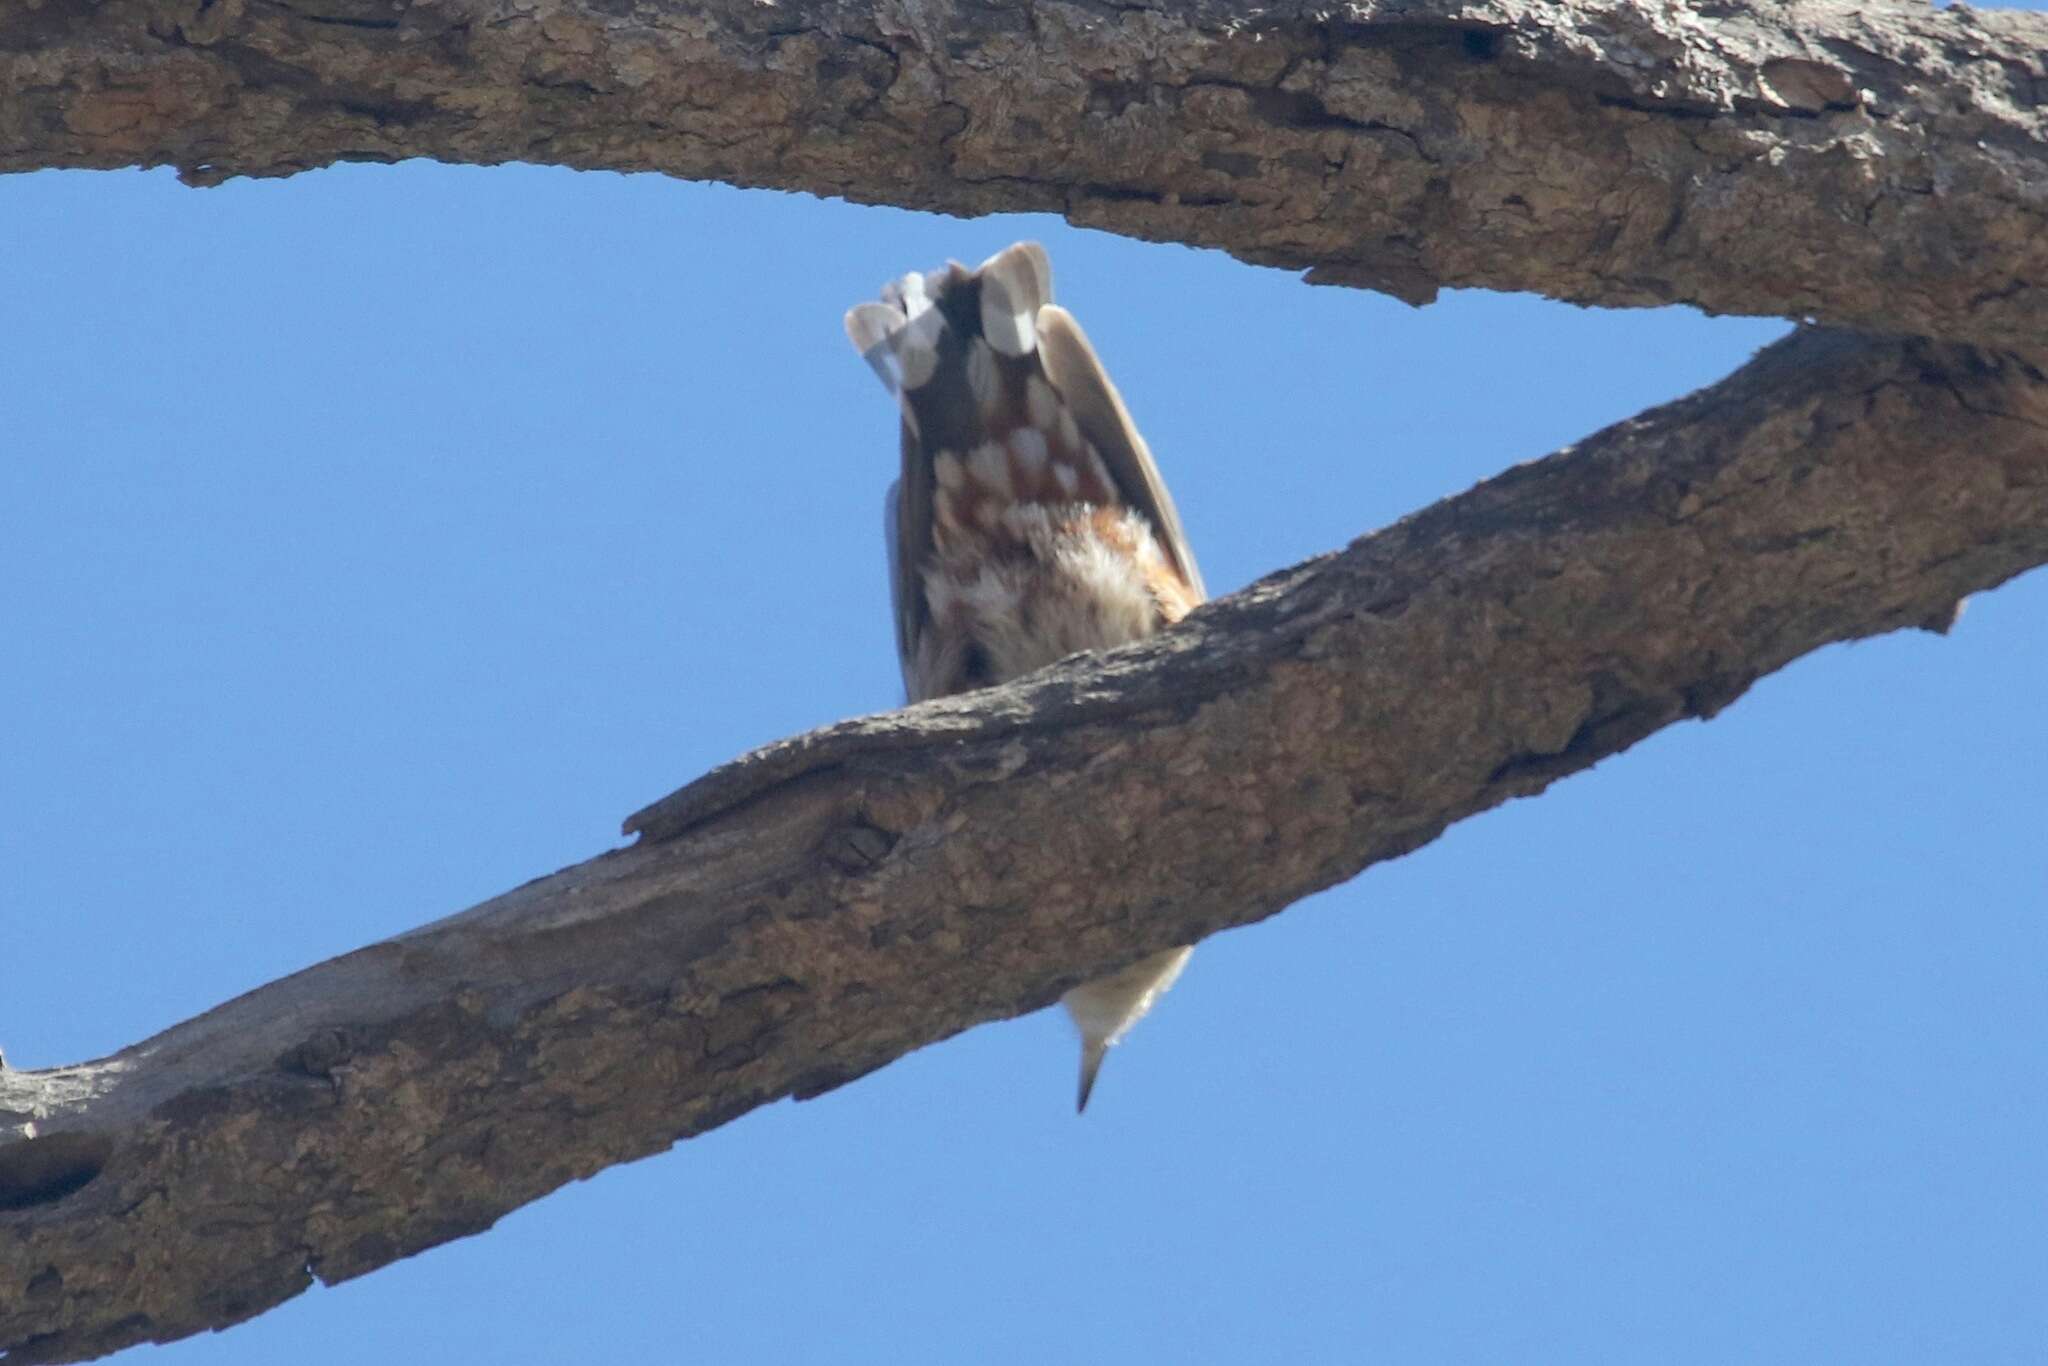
(1029, 522)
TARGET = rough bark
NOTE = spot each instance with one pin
(829, 903)
(1869, 165)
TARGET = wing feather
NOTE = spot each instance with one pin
(1075, 370)
(919, 333)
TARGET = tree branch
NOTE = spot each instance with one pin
(824, 905)
(1869, 166)
(829, 903)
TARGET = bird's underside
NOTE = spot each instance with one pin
(1029, 522)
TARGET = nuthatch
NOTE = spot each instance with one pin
(1029, 522)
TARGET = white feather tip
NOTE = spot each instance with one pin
(1015, 283)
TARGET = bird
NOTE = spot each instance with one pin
(1028, 523)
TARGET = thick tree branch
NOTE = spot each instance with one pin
(1872, 166)
(830, 903)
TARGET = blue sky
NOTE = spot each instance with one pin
(375, 540)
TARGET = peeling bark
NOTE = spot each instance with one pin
(820, 907)
(1874, 166)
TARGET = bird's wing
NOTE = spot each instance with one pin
(919, 337)
(899, 338)
(1076, 372)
